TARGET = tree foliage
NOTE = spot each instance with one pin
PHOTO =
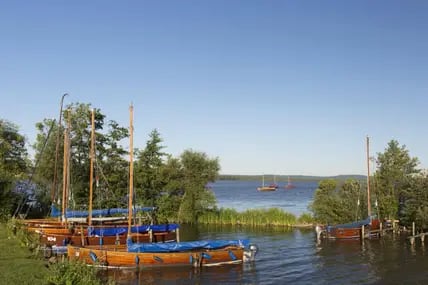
(198, 170)
(13, 165)
(415, 208)
(335, 204)
(398, 189)
(149, 183)
(111, 168)
(176, 186)
(395, 170)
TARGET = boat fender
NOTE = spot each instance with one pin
(93, 256)
(158, 259)
(137, 260)
(101, 241)
(206, 255)
(232, 256)
(191, 259)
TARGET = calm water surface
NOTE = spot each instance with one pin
(291, 256)
(242, 195)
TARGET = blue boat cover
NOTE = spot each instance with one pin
(55, 212)
(356, 224)
(184, 246)
(135, 229)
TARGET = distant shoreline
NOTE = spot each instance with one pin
(294, 178)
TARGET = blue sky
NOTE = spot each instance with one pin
(283, 87)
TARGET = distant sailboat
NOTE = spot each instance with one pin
(274, 184)
(289, 184)
(266, 188)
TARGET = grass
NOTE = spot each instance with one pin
(255, 217)
(17, 262)
(21, 262)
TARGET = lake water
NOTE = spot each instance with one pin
(242, 195)
(291, 256)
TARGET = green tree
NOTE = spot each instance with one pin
(45, 147)
(13, 165)
(169, 202)
(395, 168)
(111, 168)
(198, 170)
(415, 209)
(325, 201)
(149, 183)
(335, 204)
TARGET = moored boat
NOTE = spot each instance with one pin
(136, 254)
(271, 187)
(194, 253)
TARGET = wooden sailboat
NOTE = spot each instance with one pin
(289, 184)
(108, 230)
(194, 253)
(271, 187)
(356, 230)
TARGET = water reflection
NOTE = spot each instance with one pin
(389, 260)
(233, 274)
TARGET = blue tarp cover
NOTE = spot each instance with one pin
(184, 246)
(135, 229)
(356, 224)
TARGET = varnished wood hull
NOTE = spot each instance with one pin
(84, 240)
(120, 258)
(342, 233)
(264, 189)
(354, 233)
(56, 223)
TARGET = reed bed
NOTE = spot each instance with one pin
(254, 217)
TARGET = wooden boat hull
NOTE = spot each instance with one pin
(342, 233)
(120, 258)
(84, 240)
(266, 189)
(371, 230)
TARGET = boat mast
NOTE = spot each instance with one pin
(91, 170)
(65, 171)
(368, 179)
(53, 190)
(131, 167)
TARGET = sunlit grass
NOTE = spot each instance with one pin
(254, 217)
(21, 262)
(17, 263)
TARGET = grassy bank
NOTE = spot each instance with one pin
(17, 265)
(22, 263)
(255, 217)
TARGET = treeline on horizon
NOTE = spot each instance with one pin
(284, 178)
